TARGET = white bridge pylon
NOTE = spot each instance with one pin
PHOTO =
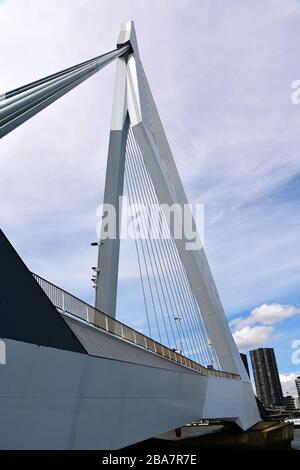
(134, 107)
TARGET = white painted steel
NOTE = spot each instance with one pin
(55, 399)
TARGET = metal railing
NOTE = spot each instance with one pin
(69, 304)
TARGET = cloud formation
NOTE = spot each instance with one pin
(288, 383)
(267, 314)
(256, 329)
(253, 337)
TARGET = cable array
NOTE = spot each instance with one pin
(173, 315)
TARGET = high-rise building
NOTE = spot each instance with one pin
(297, 382)
(289, 403)
(266, 377)
(245, 362)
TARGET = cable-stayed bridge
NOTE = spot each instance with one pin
(76, 377)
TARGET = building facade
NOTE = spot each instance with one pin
(266, 377)
(289, 403)
(297, 382)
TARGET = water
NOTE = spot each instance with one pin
(296, 441)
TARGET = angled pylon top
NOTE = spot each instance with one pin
(127, 35)
(129, 88)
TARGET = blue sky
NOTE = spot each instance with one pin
(221, 75)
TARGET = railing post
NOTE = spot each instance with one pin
(87, 314)
(63, 301)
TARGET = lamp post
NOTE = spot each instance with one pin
(180, 333)
(96, 269)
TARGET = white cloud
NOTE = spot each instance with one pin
(273, 313)
(267, 314)
(252, 337)
(256, 329)
(288, 383)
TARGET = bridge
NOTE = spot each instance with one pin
(77, 378)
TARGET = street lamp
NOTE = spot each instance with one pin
(94, 268)
(211, 354)
(180, 334)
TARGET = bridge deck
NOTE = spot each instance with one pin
(69, 304)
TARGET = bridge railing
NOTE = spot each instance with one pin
(69, 304)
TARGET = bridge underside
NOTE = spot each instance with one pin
(55, 399)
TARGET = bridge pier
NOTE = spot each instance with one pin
(265, 435)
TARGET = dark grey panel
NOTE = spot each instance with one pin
(26, 313)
